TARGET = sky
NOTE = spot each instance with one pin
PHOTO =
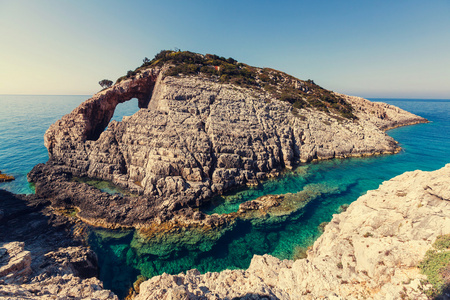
(372, 49)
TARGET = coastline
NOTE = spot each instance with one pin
(408, 124)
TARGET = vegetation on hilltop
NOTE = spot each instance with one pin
(105, 83)
(279, 85)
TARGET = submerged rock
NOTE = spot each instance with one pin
(370, 251)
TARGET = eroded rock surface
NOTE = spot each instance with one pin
(370, 251)
(196, 137)
(40, 258)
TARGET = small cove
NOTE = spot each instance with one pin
(122, 257)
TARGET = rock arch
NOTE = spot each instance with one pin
(90, 118)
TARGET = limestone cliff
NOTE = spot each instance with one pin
(198, 134)
(370, 251)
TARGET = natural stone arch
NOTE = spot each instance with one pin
(102, 109)
(90, 118)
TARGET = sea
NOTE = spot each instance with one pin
(25, 118)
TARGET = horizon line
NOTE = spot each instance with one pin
(377, 97)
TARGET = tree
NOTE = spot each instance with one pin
(105, 83)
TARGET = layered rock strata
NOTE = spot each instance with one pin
(39, 257)
(195, 137)
(370, 251)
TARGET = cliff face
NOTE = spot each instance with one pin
(370, 251)
(195, 136)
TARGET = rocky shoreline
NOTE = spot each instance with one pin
(370, 251)
(5, 177)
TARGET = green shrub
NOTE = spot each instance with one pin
(300, 103)
(436, 266)
(368, 234)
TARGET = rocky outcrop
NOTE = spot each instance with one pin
(384, 116)
(4, 177)
(40, 258)
(57, 280)
(370, 251)
(192, 138)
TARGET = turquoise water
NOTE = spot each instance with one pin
(24, 119)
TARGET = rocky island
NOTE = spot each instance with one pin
(206, 125)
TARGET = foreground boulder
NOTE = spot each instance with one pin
(370, 251)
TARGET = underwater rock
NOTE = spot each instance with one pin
(270, 210)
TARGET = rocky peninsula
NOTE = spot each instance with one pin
(206, 125)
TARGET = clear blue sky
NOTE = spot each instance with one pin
(367, 48)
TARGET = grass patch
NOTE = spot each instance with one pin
(436, 266)
(442, 242)
(69, 212)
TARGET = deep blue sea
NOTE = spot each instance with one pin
(24, 119)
